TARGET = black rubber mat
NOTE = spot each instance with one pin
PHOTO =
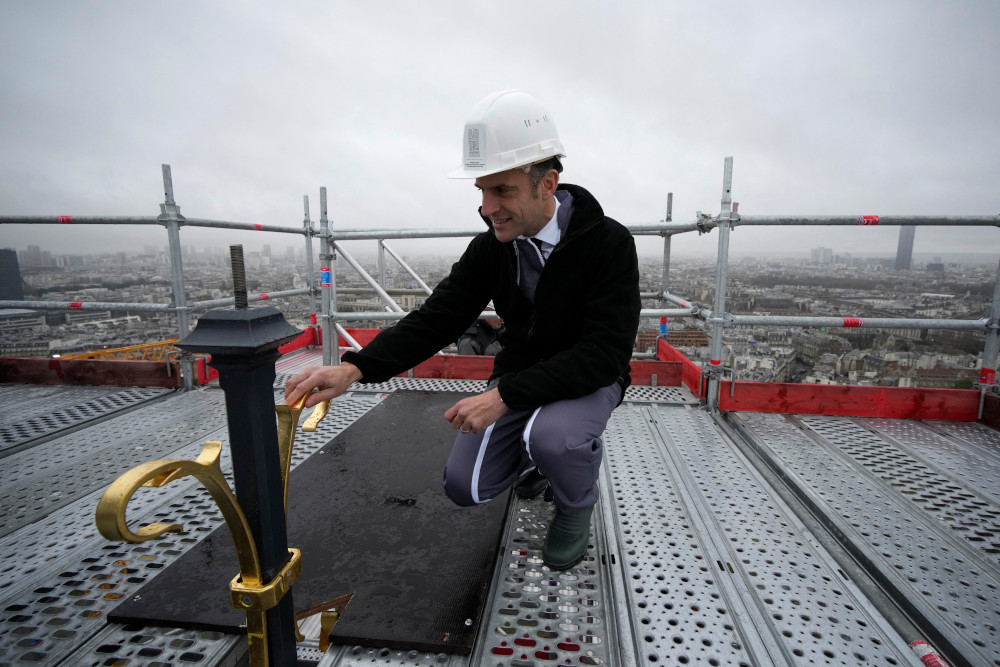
(371, 518)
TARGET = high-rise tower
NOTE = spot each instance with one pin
(904, 251)
(10, 276)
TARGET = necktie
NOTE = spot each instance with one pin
(538, 243)
(531, 267)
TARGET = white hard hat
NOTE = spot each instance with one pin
(507, 129)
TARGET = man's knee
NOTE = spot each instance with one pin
(460, 493)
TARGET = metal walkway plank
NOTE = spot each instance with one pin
(933, 486)
(673, 589)
(947, 587)
(54, 474)
(31, 412)
(64, 602)
(808, 606)
(965, 462)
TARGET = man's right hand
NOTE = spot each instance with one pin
(332, 381)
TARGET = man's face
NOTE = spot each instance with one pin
(512, 206)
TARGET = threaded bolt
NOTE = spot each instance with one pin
(239, 276)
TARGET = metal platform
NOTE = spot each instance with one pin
(717, 542)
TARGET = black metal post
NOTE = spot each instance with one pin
(244, 344)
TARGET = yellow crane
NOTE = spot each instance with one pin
(159, 351)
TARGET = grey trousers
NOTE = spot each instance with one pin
(562, 439)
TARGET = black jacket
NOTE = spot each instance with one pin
(576, 338)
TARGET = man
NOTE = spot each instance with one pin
(483, 337)
(564, 278)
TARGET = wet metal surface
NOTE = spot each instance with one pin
(694, 558)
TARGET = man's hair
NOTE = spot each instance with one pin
(539, 169)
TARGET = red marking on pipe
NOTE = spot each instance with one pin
(867, 219)
(987, 376)
(264, 296)
(715, 362)
(76, 305)
(312, 319)
(927, 654)
(258, 227)
(663, 320)
(853, 322)
(65, 220)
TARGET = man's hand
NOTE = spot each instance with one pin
(476, 413)
(332, 381)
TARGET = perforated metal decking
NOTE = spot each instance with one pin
(695, 558)
(910, 502)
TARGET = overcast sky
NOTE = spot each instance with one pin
(827, 108)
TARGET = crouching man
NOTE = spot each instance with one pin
(564, 277)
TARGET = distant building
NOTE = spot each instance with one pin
(646, 340)
(822, 255)
(688, 338)
(10, 276)
(904, 251)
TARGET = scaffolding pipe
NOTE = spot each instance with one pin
(707, 223)
(355, 345)
(146, 307)
(89, 305)
(310, 269)
(992, 349)
(406, 267)
(666, 312)
(673, 298)
(665, 270)
(171, 216)
(380, 262)
(328, 285)
(873, 220)
(378, 315)
(78, 220)
(398, 291)
(721, 264)
(261, 296)
(388, 300)
(852, 322)
(242, 226)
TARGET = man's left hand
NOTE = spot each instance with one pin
(476, 413)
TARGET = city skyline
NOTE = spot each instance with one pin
(358, 248)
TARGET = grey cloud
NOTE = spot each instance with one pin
(842, 108)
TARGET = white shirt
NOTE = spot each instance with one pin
(550, 234)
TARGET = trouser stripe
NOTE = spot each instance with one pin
(479, 465)
(526, 436)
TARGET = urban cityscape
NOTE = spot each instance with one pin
(820, 282)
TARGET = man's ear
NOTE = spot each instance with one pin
(547, 186)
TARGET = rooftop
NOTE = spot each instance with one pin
(730, 538)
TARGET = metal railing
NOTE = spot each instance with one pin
(330, 244)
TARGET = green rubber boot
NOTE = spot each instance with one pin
(532, 484)
(567, 540)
